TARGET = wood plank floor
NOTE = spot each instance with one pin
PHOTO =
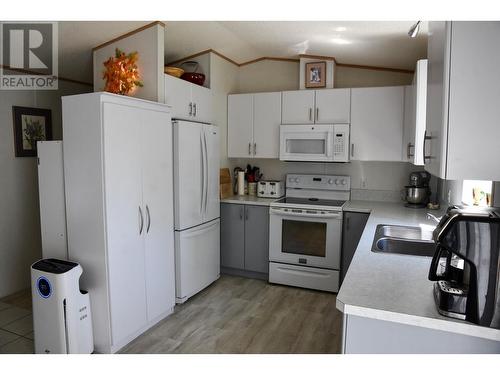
(239, 315)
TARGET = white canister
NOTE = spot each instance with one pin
(241, 183)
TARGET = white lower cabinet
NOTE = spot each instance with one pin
(118, 179)
(377, 123)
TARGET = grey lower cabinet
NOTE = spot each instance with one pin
(353, 226)
(244, 239)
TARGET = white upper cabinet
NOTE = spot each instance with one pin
(463, 100)
(298, 107)
(253, 125)
(333, 106)
(239, 125)
(409, 125)
(437, 98)
(326, 106)
(415, 115)
(377, 123)
(266, 124)
(189, 101)
(178, 95)
(201, 98)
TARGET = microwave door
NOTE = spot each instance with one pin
(306, 142)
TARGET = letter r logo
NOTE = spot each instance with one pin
(28, 46)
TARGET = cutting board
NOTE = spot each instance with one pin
(226, 185)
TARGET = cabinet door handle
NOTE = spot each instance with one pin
(141, 221)
(246, 213)
(310, 114)
(317, 114)
(426, 137)
(408, 150)
(194, 110)
(352, 150)
(148, 216)
(190, 109)
(241, 212)
(347, 223)
(249, 148)
(255, 148)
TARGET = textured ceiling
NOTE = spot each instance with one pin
(375, 43)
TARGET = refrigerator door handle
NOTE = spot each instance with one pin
(141, 221)
(148, 215)
(202, 170)
(206, 170)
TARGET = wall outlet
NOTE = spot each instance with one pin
(363, 183)
(449, 196)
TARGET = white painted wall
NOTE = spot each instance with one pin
(150, 45)
(355, 77)
(20, 242)
(224, 80)
(267, 76)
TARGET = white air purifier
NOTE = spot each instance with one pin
(61, 312)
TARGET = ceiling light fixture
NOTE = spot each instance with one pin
(338, 40)
(413, 32)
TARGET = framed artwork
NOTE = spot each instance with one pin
(315, 74)
(30, 125)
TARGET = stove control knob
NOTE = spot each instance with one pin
(297, 180)
(290, 179)
(343, 182)
(330, 181)
(337, 181)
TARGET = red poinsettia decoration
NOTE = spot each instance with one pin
(122, 74)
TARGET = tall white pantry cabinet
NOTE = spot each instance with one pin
(118, 180)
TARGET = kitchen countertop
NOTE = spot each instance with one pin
(248, 199)
(395, 287)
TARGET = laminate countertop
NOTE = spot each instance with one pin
(394, 287)
(248, 199)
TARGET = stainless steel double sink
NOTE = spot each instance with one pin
(399, 239)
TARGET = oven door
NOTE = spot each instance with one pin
(305, 237)
(306, 142)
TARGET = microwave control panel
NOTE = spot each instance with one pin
(341, 142)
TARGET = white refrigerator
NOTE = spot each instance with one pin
(196, 207)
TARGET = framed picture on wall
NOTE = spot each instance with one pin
(30, 126)
(315, 74)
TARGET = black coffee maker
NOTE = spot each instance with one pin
(466, 265)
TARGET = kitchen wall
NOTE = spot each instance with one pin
(370, 180)
(355, 77)
(223, 81)
(268, 75)
(20, 243)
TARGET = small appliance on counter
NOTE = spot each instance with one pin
(271, 189)
(417, 193)
(465, 265)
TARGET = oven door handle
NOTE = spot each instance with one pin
(332, 215)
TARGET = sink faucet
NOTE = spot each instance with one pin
(431, 216)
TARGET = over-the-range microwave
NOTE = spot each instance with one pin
(315, 142)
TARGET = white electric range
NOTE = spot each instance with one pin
(306, 231)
